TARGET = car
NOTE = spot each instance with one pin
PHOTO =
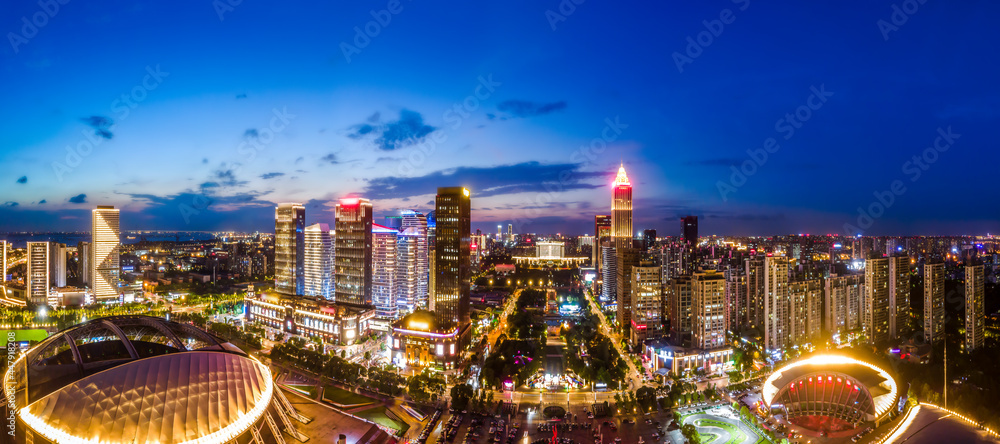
(618, 440)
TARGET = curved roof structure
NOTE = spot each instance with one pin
(832, 385)
(129, 379)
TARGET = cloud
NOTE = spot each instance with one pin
(251, 134)
(101, 125)
(266, 176)
(489, 181)
(22, 179)
(227, 176)
(329, 158)
(10, 204)
(524, 108)
(241, 96)
(42, 201)
(78, 199)
(410, 129)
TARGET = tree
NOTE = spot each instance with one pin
(460, 396)
(690, 434)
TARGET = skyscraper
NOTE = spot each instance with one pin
(104, 253)
(689, 230)
(353, 262)
(736, 297)
(974, 315)
(843, 303)
(431, 257)
(755, 291)
(415, 226)
(647, 303)
(289, 248)
(777, 303)
(602, 232)
(453, 267)
(621, 211)
(319, 257)
(933, 302)
(57, 264)
(85, 258)
(627, 258)
(609, 273)
(37, 280)
(499, 233)
(679, 302)
(408, 273)
(899, 295)
(384, 271)
(876, 309)
(510, 232)
(708, 306)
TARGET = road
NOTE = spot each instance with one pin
(931, 424)
(635, 381)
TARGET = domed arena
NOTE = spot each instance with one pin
(830, 394)
(137, 379)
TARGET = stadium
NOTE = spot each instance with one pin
(830, 394)
(129, 379)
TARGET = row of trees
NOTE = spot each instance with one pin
(464, 397)
(425, 386)
(384, 380)
(517, 354)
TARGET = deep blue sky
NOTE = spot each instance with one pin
(180, 159)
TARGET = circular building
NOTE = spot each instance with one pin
(830, 393)
(131, 379)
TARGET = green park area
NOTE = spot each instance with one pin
(343, 397)
(378, 415)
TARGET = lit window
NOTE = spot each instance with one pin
(440, 349)
(452, 348)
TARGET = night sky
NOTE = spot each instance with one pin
(203, 116)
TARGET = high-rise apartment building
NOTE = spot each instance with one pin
(933, 302)
(353, 251)
(974, 315)
(104, 246)
(627, 258)
(708, 307)
(689, 230)
(843, 303)
(510, 232)
(384, 267)
(777, 303)
(736, 297)
(319, 257)
(899, 295)
(806, 320)
(289, 248)
(453, 265)
(57, 264)
(647, 304)
(609, 273)
(621, 211)
(85, 269)
(37, 281)
(755, 272)
(877, 300)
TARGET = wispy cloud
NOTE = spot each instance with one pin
(489, 181)
(78, 199)
(409, 129)
(266, 176)
(22, 179)
(524, 108)
(101, 125)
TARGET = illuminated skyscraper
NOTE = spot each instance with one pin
(415, 226)
(384, 269)
(877, 299)
(899, 295)
(353, 261)
(933, 302)
(37, 281)
(85, 258)
(510, 232)
(318, 261)
(679, 305)
(499, 232)
(974, 315)
(408, 273)
(627, 259)
(609, 274)
(621, 211)
(647, 304)
(708, 307)
(57, 264)
(104, 253)
(777, 303)
(289, 248)
(602, 234)
(453, 267)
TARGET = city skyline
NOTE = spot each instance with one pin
(231, 136)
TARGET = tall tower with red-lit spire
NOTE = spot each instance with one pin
(621, 211)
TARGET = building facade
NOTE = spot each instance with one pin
(319, 257)
(384, 267)
(37, 281)
(647, 304)
(453, 267)
(877, 300)
(708, 306)
(933, 302)
(289, 248)
(353, 251)
(899, 294)
(414, 226)
(974, 315)
(104, 247)
(621, 211)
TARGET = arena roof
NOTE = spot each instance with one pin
(872, 376)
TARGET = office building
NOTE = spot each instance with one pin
(899, 295)
(453, 268)
(933, 302)
(499, 233)
(411, 280)
(353, 251)
(621, 211)
(647, 304)
(104, 246)
(689, 230)
(708, 307)
(37, 281)
(877, 300)
(974, 314)
(384, 286)
(289, 248)
(609, 273)
(431, 259)
(319, 257)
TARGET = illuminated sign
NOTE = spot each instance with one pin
(419, 325)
